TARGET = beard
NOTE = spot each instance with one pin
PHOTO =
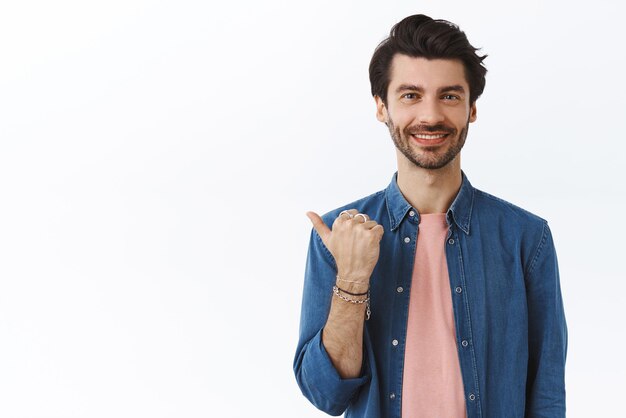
(431, 159)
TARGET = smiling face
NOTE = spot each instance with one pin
(428, 110)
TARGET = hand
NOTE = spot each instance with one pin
(353, 242)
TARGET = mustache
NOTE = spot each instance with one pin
(420, 129)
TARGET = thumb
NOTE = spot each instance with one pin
(319, 225)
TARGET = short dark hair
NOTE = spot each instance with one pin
(422, 36)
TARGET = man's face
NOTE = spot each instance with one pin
(428, 110)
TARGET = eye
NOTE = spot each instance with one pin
(451, 97)
(409, 96)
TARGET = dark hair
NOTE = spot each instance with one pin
(422, 36)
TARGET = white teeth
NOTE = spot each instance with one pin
(422, 136)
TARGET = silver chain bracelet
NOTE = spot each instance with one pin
(355, 301)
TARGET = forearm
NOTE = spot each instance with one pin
(318, 376)
(343, 332)
(329, 357)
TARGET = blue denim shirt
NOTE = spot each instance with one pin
(508, 312)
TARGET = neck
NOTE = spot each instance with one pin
(429, 191)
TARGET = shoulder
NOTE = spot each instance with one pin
(488, 205)
(520, 228)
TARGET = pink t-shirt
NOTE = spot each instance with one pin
(432, 385)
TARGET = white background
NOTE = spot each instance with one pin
(157, 159)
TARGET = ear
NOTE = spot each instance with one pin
(472, 116)
(381, 110)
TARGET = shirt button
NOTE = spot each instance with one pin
(407, 239)
(464, 343)
(451, 241)
(392, 396)
(411, 213)
(472, 397)
(400, 289)
(394, 342)
(458, 289)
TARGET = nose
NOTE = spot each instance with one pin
(430, 112)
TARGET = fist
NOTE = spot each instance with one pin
(354, 243)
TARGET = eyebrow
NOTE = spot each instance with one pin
(413, 87)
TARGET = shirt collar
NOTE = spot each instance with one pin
(460, 212)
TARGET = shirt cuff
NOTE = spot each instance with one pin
(329, 392)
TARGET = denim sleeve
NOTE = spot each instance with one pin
(547, 334)
(317, 377)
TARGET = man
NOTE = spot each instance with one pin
(431, 298)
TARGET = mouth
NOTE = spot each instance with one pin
(430, 138)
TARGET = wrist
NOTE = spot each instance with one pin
(354, 284)
(361, 298)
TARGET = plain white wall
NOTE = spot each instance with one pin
(157, 159)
